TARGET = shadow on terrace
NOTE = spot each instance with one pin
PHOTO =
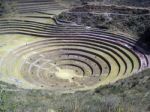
(144, 41)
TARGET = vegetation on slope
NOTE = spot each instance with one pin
(136, 3)
(129, 95)
(116, 19)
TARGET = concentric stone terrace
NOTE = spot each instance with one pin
(70, 58)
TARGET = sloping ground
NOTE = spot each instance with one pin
(30, 6)
(128, 20)
(130, 95)
(45, 59)
(135, 3)
(71, 57)
(39, 11)
(93, 57)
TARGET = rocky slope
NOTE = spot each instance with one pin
(132, 21)
(136, 3)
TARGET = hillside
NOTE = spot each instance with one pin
(129, 95)
(136, 3)
(132, 21)
(74, 56)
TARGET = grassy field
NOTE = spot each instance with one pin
(10, 42)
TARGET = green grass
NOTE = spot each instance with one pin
(111, 98)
